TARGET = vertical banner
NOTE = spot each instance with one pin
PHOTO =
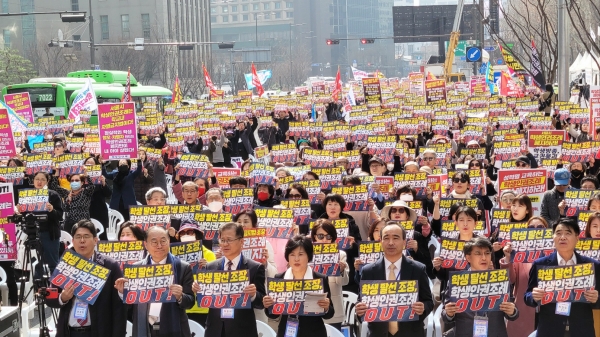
(21, 105)
(88, 277)
(223, 289)
(118, 131)
(594, 109)
(475, 291)
(389, 301)
(148, 283)
(566, 283)
(7, 141)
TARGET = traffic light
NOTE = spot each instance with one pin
(330, 42)
(367, 41)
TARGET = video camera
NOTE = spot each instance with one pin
(29, 224)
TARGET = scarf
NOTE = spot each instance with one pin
(455, 195)
(120, 178)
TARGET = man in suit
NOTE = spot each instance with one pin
(393, 266)
(163, 319)
(78, 319)
(478, 253)
(243, 322)
(579, 321)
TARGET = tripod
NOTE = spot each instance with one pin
(40, 284)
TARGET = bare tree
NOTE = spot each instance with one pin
(51, 62)
(585, 15)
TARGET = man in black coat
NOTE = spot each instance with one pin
(393, 241)
(107, 316)
(243, 322)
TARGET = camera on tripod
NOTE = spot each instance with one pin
(29, 224)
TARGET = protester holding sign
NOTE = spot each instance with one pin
(393, 266)
(107, 315)
(123, 179)
(298, 253)
(553, 205)
(144, 181)
(563, 318)
(248, 220)
(170, 318)
(101, 193)
(324, 232)
(237, 322)
(469, 323)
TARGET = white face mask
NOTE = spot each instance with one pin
(215, 206)
(187, 238)
(390, 167)
(406, 197)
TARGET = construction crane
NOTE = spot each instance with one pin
(454, 36)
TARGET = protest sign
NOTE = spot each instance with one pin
(43, 147)
(87, 276)
(573, 152)
(451, 231)
(476, 181)
(446, 204)
(38, 162)
(317, 158)
(278, 222)
(326, 259)
(565, 283)
(301, 208)
(507, 149)
(124, 252)
(498, 216)
(210, 222)
(299, 129)
(223, 175)
(33, 200)
(8, 240)
(504, 230)
(254, 244)
(193, 165)
(117, 131)
(353, 157)
(7, 208)
(148, 283)
(545, 144)
(70, 163)
(289, 295)
(475, 291)
(92, 143)
(372, 91)
(148, 216)
(382, 147)
(223, 289)
(313, 188)
(281, 153)
(389, 301)
(190, 252)
(355, 197)
(589, 248)
(435, 90)
(522, 181)
(577, 200)
(7, 137)
(452, 253)
(20, 103)
(329, 177)
(238, 199)
(369, 251)
(418, 181)
(530, 244)
(13, 175)
(437, 184)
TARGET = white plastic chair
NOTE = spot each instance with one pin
(196, 329)
(333, 332)
(98, 225)
(115, 219)
(433, 241)
(364, 329)
(129, 329)
(66, 238)
(437, 320)
(264, 329)
(430, 319)
(349, 301)
(3, 286)
(533, 334)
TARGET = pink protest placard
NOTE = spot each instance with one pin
(21, 104)
(118, 131)
(7, 141)
(8, 241)
(7, 207)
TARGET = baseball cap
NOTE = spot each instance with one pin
(190, 224)
(562, 177)
(376, 159)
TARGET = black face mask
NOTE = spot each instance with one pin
(123, 169)
(576, 172)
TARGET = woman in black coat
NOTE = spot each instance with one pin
(299, 253)
(99, 198)
(123, 194)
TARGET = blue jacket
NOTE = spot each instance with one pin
(580, 320)
(126, 191)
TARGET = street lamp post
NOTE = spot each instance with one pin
(92, 47)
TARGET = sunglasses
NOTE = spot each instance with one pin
(475, 165)
(295, 196)
(400, 210)
(460, 180)
(536, 226)
(324, 236)
(428, 158)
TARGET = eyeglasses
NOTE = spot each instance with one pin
(83, 237)
(536, 226)
(295, 196)
(460, 180)
(155, 243)
(324, 236)
(508, 200)
(520, 164)
(400, 210)
(428, 158)
(190, 191)
(227, 242)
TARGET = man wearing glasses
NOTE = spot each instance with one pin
(107, 316)
(429, 159)
(238, 322)
(163, 319)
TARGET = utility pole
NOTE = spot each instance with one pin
(563, 65)
(92, 46)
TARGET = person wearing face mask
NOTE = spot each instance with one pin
(264, 196)
(195, 146)
(578, 171)
(123, 194)
(188, 232)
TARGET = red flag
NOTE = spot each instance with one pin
(256, 82)
(127, 93)
(430, 76)
(335, 95)
(209, 83)
(177, 96)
